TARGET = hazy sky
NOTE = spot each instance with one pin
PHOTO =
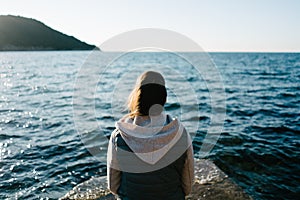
(216, 25)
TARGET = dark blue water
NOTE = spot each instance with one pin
(42, 156)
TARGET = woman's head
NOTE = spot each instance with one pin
(149, 92)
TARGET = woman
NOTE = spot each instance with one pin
(150, 155)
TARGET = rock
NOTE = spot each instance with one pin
(213, 184)
(94, 188)
(210, 183)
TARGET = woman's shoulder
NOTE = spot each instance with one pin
(115, 133)
(118, 141)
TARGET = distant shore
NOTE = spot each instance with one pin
(25, 34)
(20, 49)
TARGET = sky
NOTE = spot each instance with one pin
(216, 25)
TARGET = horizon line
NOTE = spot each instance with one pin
(155, 51)
(105, 51)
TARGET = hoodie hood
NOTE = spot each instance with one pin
(150, 137)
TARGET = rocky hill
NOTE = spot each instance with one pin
(25, 34)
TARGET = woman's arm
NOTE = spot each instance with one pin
(113, 175)
(113, 180)
(187, 177)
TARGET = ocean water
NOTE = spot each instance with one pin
(57, 110)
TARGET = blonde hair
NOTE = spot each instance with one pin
(149, 90)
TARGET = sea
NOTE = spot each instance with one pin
(58, 108)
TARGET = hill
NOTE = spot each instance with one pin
(25, 34)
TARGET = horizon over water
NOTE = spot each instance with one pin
(42, 156)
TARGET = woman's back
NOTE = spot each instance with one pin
(164, 183)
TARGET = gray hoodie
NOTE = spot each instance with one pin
(153, 143)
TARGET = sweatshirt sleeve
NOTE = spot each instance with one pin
(187, 178)
(113, 180)
(113, 175)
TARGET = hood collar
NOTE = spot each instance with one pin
(150, 138)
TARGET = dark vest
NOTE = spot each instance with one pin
(162, 184)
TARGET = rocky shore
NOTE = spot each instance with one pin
(210, 183)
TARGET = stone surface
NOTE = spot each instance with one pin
(210, 183)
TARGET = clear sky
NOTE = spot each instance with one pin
(216, 25)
